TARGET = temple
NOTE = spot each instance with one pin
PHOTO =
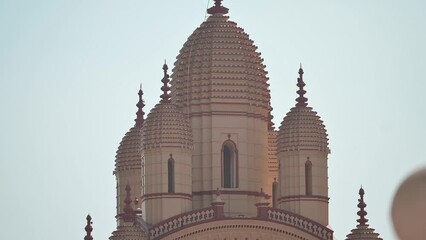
(208, 163)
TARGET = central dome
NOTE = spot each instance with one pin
(220, 64)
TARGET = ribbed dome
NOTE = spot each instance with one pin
(129, 153)
(219, 64)
(302, 128)
(166, 126)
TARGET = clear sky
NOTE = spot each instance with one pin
(70, 72)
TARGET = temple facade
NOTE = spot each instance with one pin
(207, 161)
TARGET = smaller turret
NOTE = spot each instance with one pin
(302, 155)
(362, 231)
(128, 161)
(167, 188)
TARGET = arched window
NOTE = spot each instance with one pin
(171, 174)
(229, 165)
(274, 193)
(308, 177)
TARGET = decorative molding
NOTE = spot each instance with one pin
(303, 198)
(226, 191)
(166, 195)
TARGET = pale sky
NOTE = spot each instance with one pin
(70, 72)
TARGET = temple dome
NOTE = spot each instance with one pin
(220, 64)
(302, 128)
(129, 153)
(167, 126)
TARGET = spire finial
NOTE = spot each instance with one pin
(218, 199)
(218, 8)
(88, 228)
(165, 97)
(217, 192)
(139, 114)
(301, 100)
(361, 205)
(129, 214)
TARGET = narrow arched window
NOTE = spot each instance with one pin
(308, 177)
(171, 175)
(274, 193)
(229, 165)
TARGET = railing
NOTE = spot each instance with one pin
(215, 213)
(181, 221)
(306, 225)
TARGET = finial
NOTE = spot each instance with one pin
(218, 8)
(139, 114)
(362, 213)
(217, 192)
(301, 100)
(129, 214)
(263, 196)
(218, 199)
(165, 97)
(88, 228)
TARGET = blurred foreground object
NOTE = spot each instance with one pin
(409, 207)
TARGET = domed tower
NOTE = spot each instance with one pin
(302, 155)
(167, 146)
(362, 230)
(128, 162)
(220, 83)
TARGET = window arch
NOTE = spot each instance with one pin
(171, 174)
(229, 165)
(308, 177)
